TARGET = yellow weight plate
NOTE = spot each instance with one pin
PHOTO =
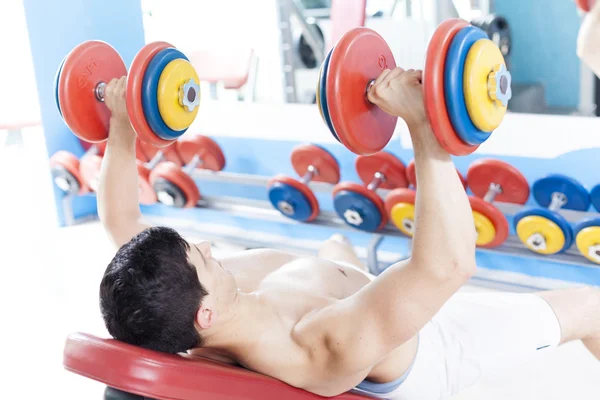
(486, 114)
(486, 232)
(403, 216)
(171, 81)
(588, 243)
(540, 235)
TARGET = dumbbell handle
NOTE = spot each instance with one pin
(378, 179)
(311, 171)
(99, 90)
(558, 201)
(494, 190)
(196, 161)
(158, 157)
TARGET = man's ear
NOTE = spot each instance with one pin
(206, 315)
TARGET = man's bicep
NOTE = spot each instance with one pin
(387, 312)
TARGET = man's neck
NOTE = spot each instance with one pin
(238, 327)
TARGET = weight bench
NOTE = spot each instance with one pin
(136, 371)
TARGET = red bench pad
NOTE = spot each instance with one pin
(172, 377)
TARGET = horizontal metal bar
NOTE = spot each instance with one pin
(321, 187)
(264, 210)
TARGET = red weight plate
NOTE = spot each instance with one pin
(89, 167)
(173, 173)
(369, 194)
(584, 5)
(358, 58)
(305, 190)
(411, 175)
(209, 151)
(385, 163)
(327, 166)
(147, 194)
(140, 154)
(483, 172)
(400, 195)
(495, 216)
(169, 153)
(87, 65)
(433, 88)
(101, 148)
(69, 162)
(134, 94)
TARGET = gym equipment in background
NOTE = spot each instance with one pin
(163, 92)
(475, 67)
(585, 5)
(544, 230)
(498, 31)
(400, 202)
(175, 186)
(587, 232)
(148, 157)
(587, 238)
(294, 198)
(359, 205)
(400, 208)
(66, 171)
(494, 180)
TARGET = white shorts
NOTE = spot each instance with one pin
(472, 336)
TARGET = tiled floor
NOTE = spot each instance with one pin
(48, 288)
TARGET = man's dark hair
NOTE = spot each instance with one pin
(150, 293)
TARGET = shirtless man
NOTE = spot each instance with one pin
(323, 323)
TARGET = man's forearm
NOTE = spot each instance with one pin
(118, 196)
(444, 230)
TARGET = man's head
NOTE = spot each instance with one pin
(160, 292)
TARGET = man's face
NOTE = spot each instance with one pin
(219, 282)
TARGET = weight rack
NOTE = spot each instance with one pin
(264, 211)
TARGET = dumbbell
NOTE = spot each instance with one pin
(163, 92)
(465, 81)
(498, 30)
(585, 5)
(494, 180)
(174, 186)
(587, 232)
(400, 202)
(66, 168)
(148, 157)
(293, 198)
(360, 206)
(544, 230)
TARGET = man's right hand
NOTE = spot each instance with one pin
(400, 93)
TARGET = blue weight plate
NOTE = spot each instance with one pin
(453, 85)
(149, 89)
(577, 196)
(364, 212)
(323, 94)
(289, 201)
(56, 80)
(595, 197)
(558, 219)
(586, 223)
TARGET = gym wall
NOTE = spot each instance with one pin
(544, 34)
